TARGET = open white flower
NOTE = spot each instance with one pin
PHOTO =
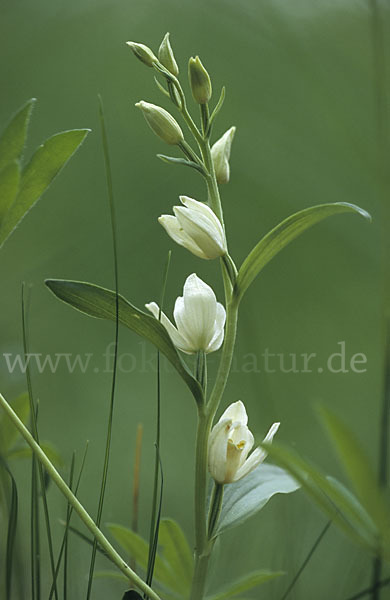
(199, 318)
(196, 227)
(230, 442)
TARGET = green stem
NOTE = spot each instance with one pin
(215, 508)
(77, 506)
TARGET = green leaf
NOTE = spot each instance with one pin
(13, 139)
(181, 161)
(138, 549)
(45, 164)
(9, 186)
(99, 302)
(51, 452)
(246, 497)
(284, 233)
(358, 469)
(8, 432)
(176, 551)
(11, 530)
(217, 107)
(338, 503)
(245, 583)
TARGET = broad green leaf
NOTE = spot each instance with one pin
(45, 164)
(284, 233)
(138, 549)
(99, 302)
(8, 432)
(13, 139)
(246, 497)
(245, 583)
(176, 551)
(358, 469)
(9, 186)
(330, 495)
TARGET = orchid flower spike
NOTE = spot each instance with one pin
(199, 318)
(230, 442)
(196, 227)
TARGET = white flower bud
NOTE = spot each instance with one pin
(143, 53)
(220, 153)
(166, 56)
(230, 442)
(162, 123)
(199, 318)
(196, 227)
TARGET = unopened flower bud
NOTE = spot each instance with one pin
(199, 81)
(220, 153)
(162, 123)
(144, 53)
(166, 56)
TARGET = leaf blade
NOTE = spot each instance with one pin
(13, 138)
(176, 550)
(245, 583)
(284, 233)
(9, 186)
(45, 164)
(99, 302)
(249, 495)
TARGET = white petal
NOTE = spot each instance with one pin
(205, 210)
(258, 456)
(177, 233)
(251, 463)
(178, 340)
(200, 307)
(218, 442)
(202, 231)
(236, 412)
(184, 326)
(216, 341)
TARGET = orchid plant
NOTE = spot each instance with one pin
(229, 476)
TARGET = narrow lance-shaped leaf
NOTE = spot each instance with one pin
(246, 497)
(176, 551)
(9, 186)
(284, 233)
(99, 302)
(138, 548)
(330, 496)
(45, 164)
(358, 469)
(181, 161)
(13, 138)
(245, 583)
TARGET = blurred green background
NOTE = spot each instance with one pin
(302, 83)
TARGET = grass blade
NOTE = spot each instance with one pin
(39, 468)
(11, 531)
(110, 194)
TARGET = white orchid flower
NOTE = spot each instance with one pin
(199, 318)
(196, 227)
(230, 442)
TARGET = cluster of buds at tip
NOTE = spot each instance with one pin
(230, 442)
(166, 56)
(220, 154)
(162, 123)
(199, 81)
(143, 53)
(199, 318)
(196, 227)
